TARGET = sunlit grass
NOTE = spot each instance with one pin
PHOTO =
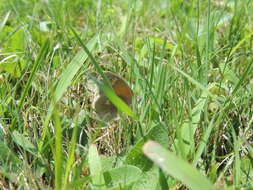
(189, 64)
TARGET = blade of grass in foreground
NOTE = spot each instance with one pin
(176, 167)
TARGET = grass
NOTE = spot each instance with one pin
(189, 64)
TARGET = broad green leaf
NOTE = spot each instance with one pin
(6, 155)
(16, 41)
(186, 132)
(109, 162)
(247, 170)
(145, 183)
(136, 156)
(122, 176)
(13, 64)
(24, 142)
(95, 168)
(176, 167)
(77, 183)
(228, 74)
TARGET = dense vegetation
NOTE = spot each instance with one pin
(189, 64)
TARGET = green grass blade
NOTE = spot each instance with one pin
(237, 162)
(39, 60)
(68, 75)
(193, 81)
(5, 19)
(176, 167)
(203, 142)
(58, 151)
(96, 65)
(240, 43)
(65, 82)
(247, 71)
(23, 142)
(71, 157)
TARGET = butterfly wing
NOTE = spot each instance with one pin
(104, 108)
(120, 87)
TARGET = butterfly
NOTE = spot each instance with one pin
(102, 105)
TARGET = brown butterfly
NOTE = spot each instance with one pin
(102, 105)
